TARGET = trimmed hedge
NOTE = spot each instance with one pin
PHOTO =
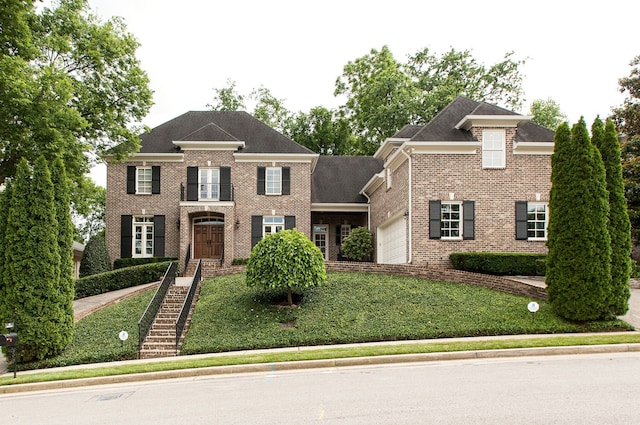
(120, 279)
(499, 263)
(121, 263)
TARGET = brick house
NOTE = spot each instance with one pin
(211, 184)
(475, 178)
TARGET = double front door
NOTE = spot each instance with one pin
(208, 241)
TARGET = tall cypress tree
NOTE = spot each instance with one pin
(5, 200)
(33, 263)
(606, 140)
(579, 259)
(65, 243)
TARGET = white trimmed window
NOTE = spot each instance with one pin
(537, 221)
(493, 149)
(273, 181)
(209, 184)
(451, 220)
(142, 237)
(144, 180)
(272, 225)
(345, 231)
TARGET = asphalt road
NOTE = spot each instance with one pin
(585, 389)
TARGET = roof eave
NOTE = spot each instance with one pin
(469, 121)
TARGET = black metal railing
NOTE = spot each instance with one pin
(149, 315)
(209, 192)
(186, 306)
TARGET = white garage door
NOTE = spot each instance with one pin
(392, 242)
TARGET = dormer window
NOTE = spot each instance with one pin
(493, 149)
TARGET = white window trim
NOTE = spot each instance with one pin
(138, 181)
(266, 181)
(209, 179)
(144, 222)
(268, 221)
(388, 179)
(546, 220)
(503, 149)
(460, 221)
(345, 232)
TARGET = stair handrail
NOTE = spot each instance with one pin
(149, 315)
(186, 305)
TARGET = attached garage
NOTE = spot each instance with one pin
(392, 242)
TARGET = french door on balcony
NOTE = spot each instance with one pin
(208, 239)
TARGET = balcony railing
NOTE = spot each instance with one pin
(210, 192)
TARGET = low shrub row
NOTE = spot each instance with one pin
(119, 279)
(499, 263)
(121, 263)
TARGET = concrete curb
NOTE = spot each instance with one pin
(318, 364)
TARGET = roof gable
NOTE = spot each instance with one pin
(208, 126)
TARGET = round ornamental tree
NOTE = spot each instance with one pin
(287, 259)
(358, 246)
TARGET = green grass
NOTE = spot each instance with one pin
(359, 307)
(352, 307)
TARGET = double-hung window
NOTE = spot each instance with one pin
(209, 184)
(142, 236)
(144, 180)
(451, 220)
(273, 181)
(532, 219)
(493, 149)
(537, 219)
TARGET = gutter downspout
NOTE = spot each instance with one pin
(410, 212)
(368, 210)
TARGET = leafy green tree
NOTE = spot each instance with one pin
(66, 285)
(627, 120)
(287, 259)
(269, 109)
(605, 138)
(70, 86)
(95, 258)
(90, 213)
(227, 99)
(380, 98)
(32, 265)
(383, 94)
(358, 246)
(547, 113)
(579, 260)
(321, 131)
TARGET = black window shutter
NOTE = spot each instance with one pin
(225, 183)
(289, 222)
(286, 181)
(338, 231)
(126, 235)
(468, 220)
(192, 183)
(155, 179)
(521, 220)
(158, 235)
(261, 180)
(256, 229)
(434, 219)
(131, 179)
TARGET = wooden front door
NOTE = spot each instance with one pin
(208, 241)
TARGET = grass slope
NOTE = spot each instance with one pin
(360, 307)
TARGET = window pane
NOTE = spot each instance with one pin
(143, 180)
(273, 185)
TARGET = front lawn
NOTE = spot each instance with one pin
(361, 307)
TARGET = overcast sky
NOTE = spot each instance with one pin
(575, 52)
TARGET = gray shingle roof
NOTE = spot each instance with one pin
(339, 179)
(219, 126)
(442, 126)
